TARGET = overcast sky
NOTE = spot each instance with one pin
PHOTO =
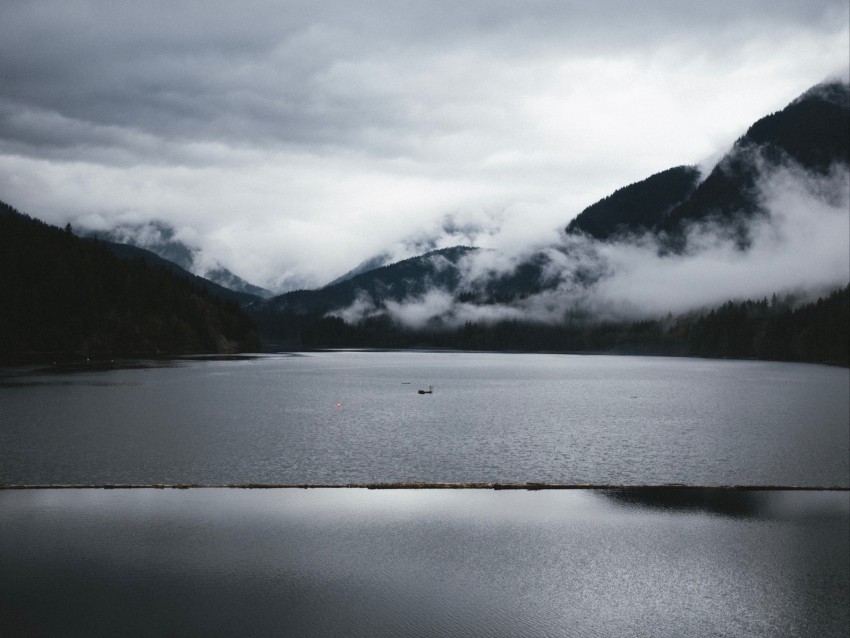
(291, 140)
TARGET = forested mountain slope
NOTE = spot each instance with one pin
(639, 207)
(160, 239)
(811, 134)
(563, 295)
(65, 297)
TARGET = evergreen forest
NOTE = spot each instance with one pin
(776, 329)
(66, 298)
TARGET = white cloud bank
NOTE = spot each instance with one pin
(295, 139)
(801, 247)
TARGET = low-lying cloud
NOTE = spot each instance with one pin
(800, 247)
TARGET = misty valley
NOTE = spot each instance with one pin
(641, 424)
(748, 261)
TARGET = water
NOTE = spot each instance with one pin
(354, 562)
(355, 417)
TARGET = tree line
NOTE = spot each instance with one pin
(775, 329)
(62, 297)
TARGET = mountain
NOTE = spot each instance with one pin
(775, 330)
(65, 297)
(812, 133)
(284, 318)
(393, 282)
(366, 265)
(226, 279)
(160, 238)
(128, 251)
(639, 207)
(555, 296)
(453, 229)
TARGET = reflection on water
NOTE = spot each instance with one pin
(769, 505)
(31, 375)
(357, 562)
(735, 503)
(23, 383)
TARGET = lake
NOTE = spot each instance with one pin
(373, 563)
(454, 562)
(356, 417)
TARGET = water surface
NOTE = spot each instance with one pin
(356, 417)
(354, 562)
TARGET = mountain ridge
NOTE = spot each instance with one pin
(65, 297)
(546, 292)
(638, 207)
(658, 211)
(129, 251)
(160, 238)
(813, 131)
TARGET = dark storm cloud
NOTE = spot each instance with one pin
(94, 76)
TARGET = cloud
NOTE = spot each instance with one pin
(379, 77)
(800, 247)
(299, 138)
(362, 308)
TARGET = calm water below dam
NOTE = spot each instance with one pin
(375, 563)
(356, 417)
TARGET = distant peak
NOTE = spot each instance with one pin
(834, 91)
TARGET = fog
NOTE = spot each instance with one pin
(801, 247)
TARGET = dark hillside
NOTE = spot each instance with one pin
(157, 242)
(284, 319)
(128, 251)
(394, 282)
(812, 132)
(777, 330)
(638, 207)
(64, 297)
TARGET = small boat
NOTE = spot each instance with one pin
(430, 390)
